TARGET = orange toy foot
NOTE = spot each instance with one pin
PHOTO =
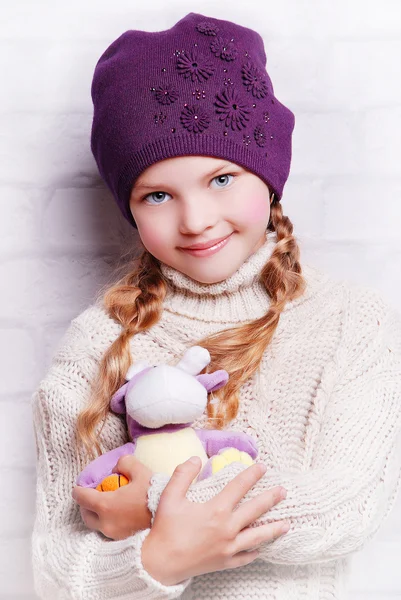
(112, 482)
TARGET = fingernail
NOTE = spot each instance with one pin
(194, 460)
(286, 527)
(262, 467)
(283, 493)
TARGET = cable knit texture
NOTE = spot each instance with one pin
(324, 409)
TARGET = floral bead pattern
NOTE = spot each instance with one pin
(194, 65)
(260, 136)
(195, 119)
(224, 49)
(232, 109)
(254, 80)
(198, 94)
(159, 118)
(166, 94)
(230, 106)
(207, 27)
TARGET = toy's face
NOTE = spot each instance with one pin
(165, 395)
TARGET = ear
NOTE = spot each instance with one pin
(194, 360)
(117, 402)
(213, 381)
(135, 368)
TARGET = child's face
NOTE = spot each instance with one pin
(188, 202)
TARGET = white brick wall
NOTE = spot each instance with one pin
(335, 64)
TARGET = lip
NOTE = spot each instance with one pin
(212, 248)
(204, 246)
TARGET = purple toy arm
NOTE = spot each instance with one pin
(214, 440)
(103, 466)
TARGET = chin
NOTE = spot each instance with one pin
(209, 280)
(215, 277)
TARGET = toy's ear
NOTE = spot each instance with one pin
(213, 381)
(194, 360)
(137, 367)
(117, 402)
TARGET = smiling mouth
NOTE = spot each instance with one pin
(206, 245)
(210, 249)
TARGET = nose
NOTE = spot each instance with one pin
(196, 214)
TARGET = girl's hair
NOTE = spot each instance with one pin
(136, 301)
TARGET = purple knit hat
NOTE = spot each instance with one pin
(198, 88)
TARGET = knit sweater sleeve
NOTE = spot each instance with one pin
(70, 561)
(338, 503)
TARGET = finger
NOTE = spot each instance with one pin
(251, 537)
(126, 465)
(88, 498)
(182, 478)
(249, 511)
(236, 489)
(90, 519)
(242, 558)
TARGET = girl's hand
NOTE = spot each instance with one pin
(190, 538)
(123, 512)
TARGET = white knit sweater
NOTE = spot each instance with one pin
(325, 411)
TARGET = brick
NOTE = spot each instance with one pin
(17, 441)
(302, 203)
(356, 209)
(327, 144)
(16, 567)
(57, 287)
(368, 263)
(83, 217)
(382, 144)
(18, 366)
(53, 148)
(360, 74)
(18, 209)
(17, 506)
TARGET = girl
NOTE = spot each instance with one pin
(196, 148)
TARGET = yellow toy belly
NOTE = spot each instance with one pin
(162, 452)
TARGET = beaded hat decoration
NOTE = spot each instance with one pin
(198, 88)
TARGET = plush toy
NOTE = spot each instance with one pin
(160, 403)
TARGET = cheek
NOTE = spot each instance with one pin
(154, 236)
(256, 210)
(150, 237)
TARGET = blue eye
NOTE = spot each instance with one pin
(153, 195)
(222, 176)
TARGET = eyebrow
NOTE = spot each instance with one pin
(148, 186)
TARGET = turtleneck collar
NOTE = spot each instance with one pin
(240, 297)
